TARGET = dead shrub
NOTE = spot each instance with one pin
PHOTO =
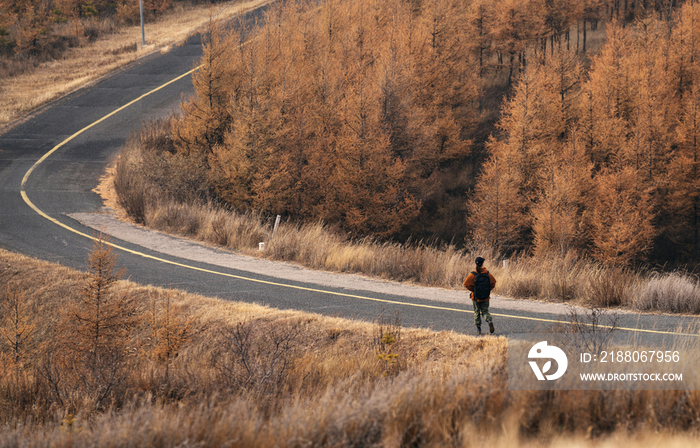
(150, 175)
(131, 189)
(564, 276)
(18, 326)
(175, 218)
(246, 230)
(253, 356)
(128, 48)
(220, 230)
(288, 375)
(595, 328)
(387, 344)
(524, 287)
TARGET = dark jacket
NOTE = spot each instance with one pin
(469, 281)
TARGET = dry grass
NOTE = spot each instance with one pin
(80, 66)
(568, 278)
(445, 389)
(674, 293)
(236, 425)
(559, 278)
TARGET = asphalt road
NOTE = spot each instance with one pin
(62, 184)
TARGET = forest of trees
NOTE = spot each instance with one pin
(402, 117)
(603, 161)
(348, 114)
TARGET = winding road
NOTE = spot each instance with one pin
(51, 162)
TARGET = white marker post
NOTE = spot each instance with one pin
(277, 224)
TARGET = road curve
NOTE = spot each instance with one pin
(51, 162)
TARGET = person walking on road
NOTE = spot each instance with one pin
(480, 282)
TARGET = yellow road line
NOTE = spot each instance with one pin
(57, 147)
(238, 277)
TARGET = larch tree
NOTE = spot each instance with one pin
(370, 192)
(532, 121)
(622, 232)
(394, 73)
(515, 25)
(683, 199)
(96, 329)
(443, 87)
(170, 330)
(607, 99)
(683, 186)
(205, 115)
(497, 210)
(479, 41)
(18, 327)
(32, 26)
(536, 127)
(558, 216)
(289, 159)
(636, 104)
(681, 40)
(653, 103)
(532, 124)
(592, 12)
(564, 72)
(325, 94)
(369, 188)
(242, 160)
(557, 16)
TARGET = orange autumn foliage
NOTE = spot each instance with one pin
(346, 114)
(630, 190)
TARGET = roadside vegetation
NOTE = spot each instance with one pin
(168, 368)
(50, 48)
(401, 140)
(156, 187)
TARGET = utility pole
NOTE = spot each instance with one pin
(143, 33)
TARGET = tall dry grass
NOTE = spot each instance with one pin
(448, 390)
(569, 278)
(674, 292)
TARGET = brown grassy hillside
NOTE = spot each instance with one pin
(195, 370)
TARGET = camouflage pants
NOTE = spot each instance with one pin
(479, 309)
